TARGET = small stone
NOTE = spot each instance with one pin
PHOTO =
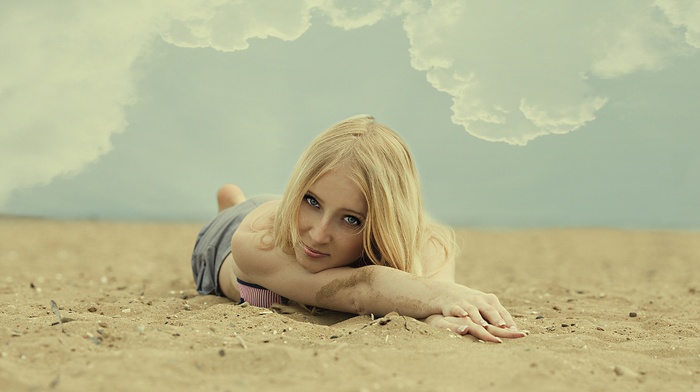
(625, 371)
(222, 352)
(92, 309)
(556, 308)
(564, 325)
(539, 317)
(633, 314)
(102, 324)
(600, 328)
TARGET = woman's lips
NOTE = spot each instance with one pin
(312, 253)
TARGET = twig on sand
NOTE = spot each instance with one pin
(240, 340)
(55, 310)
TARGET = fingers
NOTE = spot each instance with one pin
(464, 326)
(484, 310)
(493, 316)
(495, 313)
(508, 333)
(456, 311)
(489, 333)
(475, 316)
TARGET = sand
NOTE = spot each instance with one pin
(608, 310)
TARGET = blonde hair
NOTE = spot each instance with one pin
(381, 165)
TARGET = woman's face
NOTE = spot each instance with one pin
(331, 220)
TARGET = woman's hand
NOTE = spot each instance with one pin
(466, 326)
(471, 311)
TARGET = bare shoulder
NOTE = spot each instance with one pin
(438, 263)
(260, 219)
(250, 244)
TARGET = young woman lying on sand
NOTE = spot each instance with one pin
(349, 234)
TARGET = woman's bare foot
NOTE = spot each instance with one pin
(228, 196)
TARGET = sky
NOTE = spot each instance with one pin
(519, 114)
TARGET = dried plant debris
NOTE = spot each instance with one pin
(57, 312)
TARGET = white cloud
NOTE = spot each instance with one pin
(352, 15)
(67, 69)
(514, 74)
(684, 14)
(64, 81)
(521, 72)
(229, 25)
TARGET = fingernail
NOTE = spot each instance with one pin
(499, 340)
(501, 323)
(512, 328)
(462, 329)
(484, 323)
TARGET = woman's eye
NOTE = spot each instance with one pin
(311, 201)
(352, 220)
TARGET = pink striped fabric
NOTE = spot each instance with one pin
(257, 295)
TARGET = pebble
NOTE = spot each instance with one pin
(539, 317)
(92, 309)
(633, 314)
(625, 371)
(102, 324)
(222, 352)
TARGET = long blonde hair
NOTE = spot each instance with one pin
(381, 165)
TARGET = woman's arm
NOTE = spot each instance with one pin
(371, 289)
(438, 264)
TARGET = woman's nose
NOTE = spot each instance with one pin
(320, 232)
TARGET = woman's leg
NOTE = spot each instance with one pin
(228, 196)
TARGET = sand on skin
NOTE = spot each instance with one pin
(132, 320)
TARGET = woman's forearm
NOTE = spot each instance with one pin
(381, 290)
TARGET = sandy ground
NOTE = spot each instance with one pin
(608, 310)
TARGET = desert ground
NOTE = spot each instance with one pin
(607, 309)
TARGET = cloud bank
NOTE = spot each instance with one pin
(519, 73)
(514, 74)
(65, 79)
